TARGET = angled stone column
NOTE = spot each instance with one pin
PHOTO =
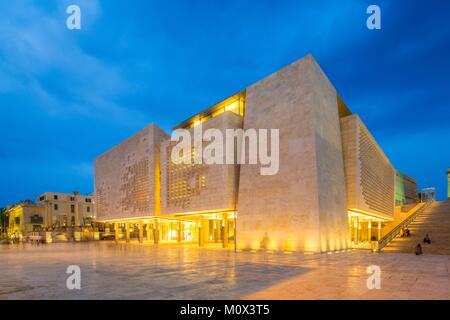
(379, 231)
(141, 232)
(156, 232)
(225, 230)
(127, 230)
(116, 231)
(179, 231)
(148, 230)
(201, 232)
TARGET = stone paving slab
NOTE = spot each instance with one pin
(110, 271)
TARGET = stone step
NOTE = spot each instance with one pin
(434, 221)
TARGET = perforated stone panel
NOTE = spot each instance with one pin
(370, 177)
(126, 177)
(199, 187)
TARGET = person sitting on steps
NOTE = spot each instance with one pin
(407, 232)
(418, 250)
(427, 239)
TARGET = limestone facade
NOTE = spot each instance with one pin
(127, 177)
(328, 164)
(200, 187)
(303, 207)
(370, 177)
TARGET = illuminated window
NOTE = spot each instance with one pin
(235, 104)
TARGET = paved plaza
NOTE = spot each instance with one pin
(110, 271)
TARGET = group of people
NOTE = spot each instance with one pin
(426, 240)
(404, 232)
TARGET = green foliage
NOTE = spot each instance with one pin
(3, 221)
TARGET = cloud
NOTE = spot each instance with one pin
(36, 44)
(67, 96)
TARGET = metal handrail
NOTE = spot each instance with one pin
(383, 242)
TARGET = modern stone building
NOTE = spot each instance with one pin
(334, 182)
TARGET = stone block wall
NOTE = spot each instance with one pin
(369, 174)
(126, 177)
(199, 187)
(303, 207)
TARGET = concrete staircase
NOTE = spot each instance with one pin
(435, 220)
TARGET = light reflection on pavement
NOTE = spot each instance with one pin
(110, 271)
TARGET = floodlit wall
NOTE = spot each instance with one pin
(127, 177)
(370, 176)
(24, 216)
(200, 187)
(303, 206)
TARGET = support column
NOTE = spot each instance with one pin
(77, 216)
(116, 231)
(369, 232)
(359, 231)
(225, 230)
(156, 232)
(379, 230)
(179, 231)
(148, 230)
(216, 235)
(201, 232)
(127, 231)
(141, 232)
(48, 217)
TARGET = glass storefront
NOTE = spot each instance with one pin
(159, 230)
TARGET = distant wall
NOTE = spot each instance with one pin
(406, 190)
(370, 177)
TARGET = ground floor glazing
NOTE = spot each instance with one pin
(202, 229)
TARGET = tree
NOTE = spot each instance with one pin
(3, 221)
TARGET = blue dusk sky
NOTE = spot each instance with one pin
(66, 96)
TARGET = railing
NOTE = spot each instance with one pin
(383, 242)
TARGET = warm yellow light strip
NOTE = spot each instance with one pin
(138, 219)
(171, 216)
(228, 210)
(233, 103)
(357, 212)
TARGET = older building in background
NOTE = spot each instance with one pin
(25, 217)
(50, 211)
(63, 209)
(334, 181)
